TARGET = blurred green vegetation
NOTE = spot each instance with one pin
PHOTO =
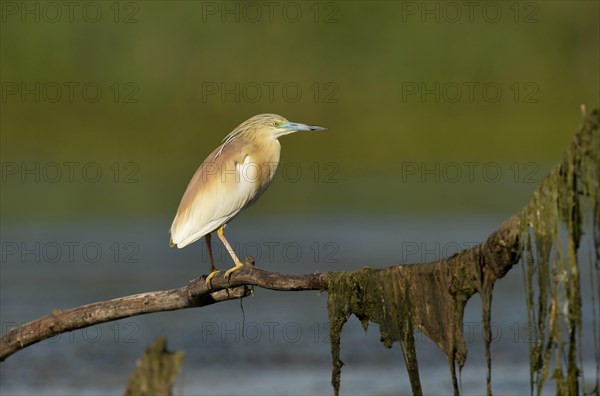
(157, 118)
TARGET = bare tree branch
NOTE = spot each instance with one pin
(197, 294)
(60, 321)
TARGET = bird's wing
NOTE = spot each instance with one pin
(222, 186)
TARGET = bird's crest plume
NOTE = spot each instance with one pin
(248, 126)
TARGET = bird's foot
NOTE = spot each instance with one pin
(228, 273)
(210, 276)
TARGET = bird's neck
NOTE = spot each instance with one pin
(269, 150)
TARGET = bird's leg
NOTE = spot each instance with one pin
(236, 260)
(213, 270)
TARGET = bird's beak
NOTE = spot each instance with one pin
(294, 127)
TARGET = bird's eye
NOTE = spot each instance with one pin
(276, 124)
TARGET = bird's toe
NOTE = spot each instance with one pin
(210, 276)
(231, 270)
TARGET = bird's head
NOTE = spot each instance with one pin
(273, 125)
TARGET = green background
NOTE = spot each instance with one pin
(353, 62)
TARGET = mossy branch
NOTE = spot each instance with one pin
(430, 297)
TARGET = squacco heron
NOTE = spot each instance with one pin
(232, 178)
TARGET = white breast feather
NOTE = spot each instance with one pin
(228, 197)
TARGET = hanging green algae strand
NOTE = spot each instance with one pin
(552, 225)
(379, 296)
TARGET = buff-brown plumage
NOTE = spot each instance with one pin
(232, 177)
